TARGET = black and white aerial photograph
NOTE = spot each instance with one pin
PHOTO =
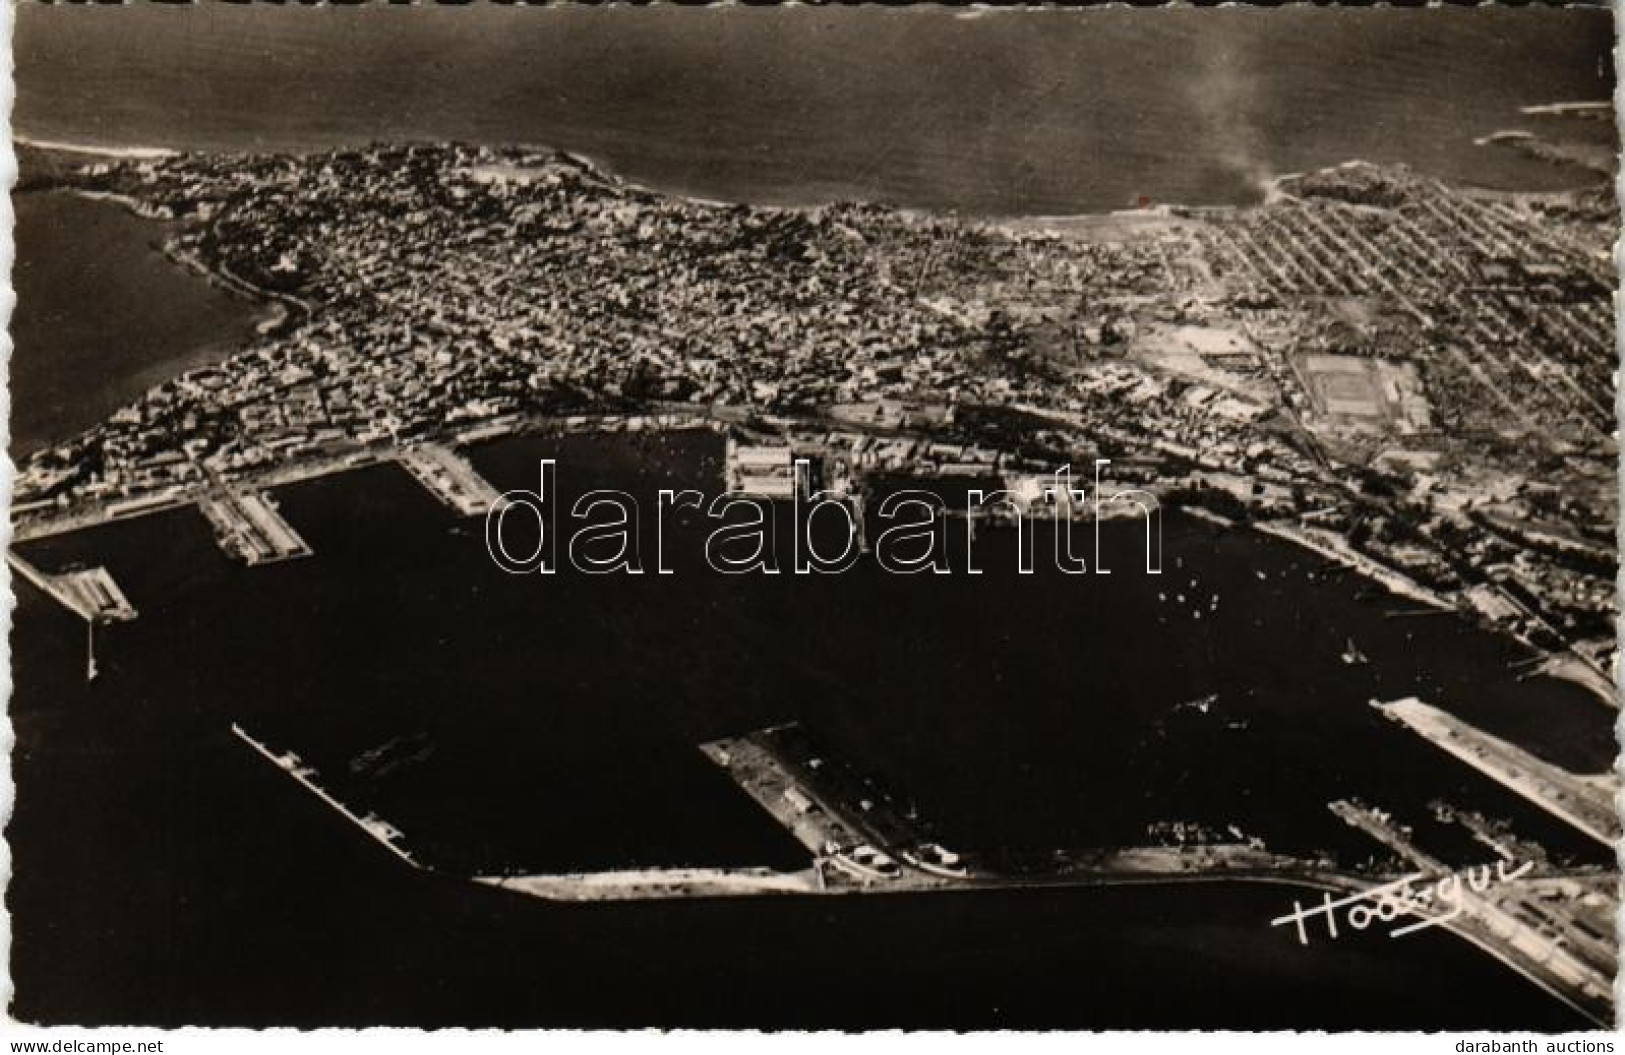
(806, 518)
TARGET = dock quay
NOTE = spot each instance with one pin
(450, 478)
(763, 471)
(652, 884)
(1586, 802)
(90, 593)
(248, 526)
(376, 829)
(854, 831)
(1554, 927)
(1556, 931)
(761, 776)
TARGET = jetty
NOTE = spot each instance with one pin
(1553, 927)
(248, 526)
(854, 832)
(1586, 802)
(375, 828)
(90, 593)
(450, 478)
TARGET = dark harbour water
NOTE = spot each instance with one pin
(185, 880)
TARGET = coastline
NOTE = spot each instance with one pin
(1564, 665)
(790, 262)
(225, 323)
(1599, 107)
(279, 308)
(77, 147)
(1267, 189)
(1334, 548)
(1161, 212)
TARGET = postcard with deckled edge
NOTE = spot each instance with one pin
(801, 518)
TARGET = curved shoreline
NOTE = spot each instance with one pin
(285, 308)
(247, 314)
(605, 169)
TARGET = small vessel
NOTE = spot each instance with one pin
(1353, 656)
(90, 651)
(1200, 704)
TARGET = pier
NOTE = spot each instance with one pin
(376, 829)
(855, 834)
(248, 526)
(761, 470)
(1553, 927)
(1556, 931)
(1587, 803)
(450, 478)
(90, 593)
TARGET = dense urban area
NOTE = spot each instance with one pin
(1413, 379)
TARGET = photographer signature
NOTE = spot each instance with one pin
(1431, 901)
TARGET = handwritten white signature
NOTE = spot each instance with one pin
(1431, 903)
